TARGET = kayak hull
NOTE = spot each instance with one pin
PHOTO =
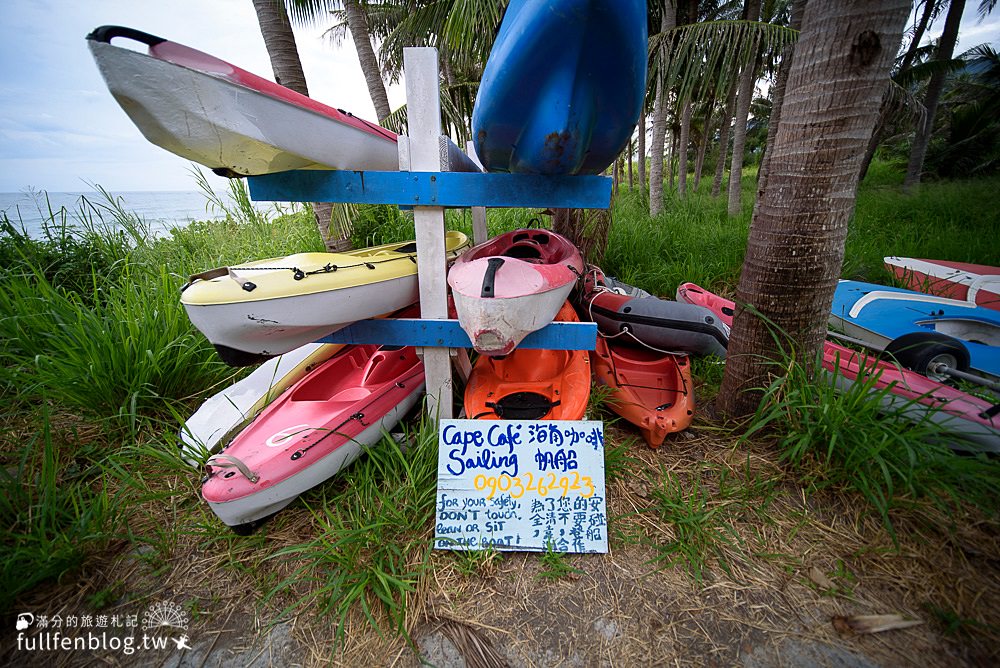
(919, 397)
(313, 431)
(976, 283)
(213, 113)
(563, 87)
(637, 318)
(512, 285)
(269, 307)
(651, 390)
(219, 416)
(531, 384)
(880, 314)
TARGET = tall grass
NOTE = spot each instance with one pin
(52, 514)
(373, 534)
(862, 438)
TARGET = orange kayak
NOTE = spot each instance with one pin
(652, 390)
(531, 384)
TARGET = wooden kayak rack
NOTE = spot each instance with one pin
(428, 184)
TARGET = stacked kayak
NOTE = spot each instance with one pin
(918, 328)
(260, 309)
(636, 317)
(531, 384)
(237, 123)
(512, 285)
(652, 390)
(563, 87)
(218, 418)
(976, 283)
(315, 429)
(973, 418)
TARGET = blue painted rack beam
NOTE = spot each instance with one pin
(446, 189)
(448, 334)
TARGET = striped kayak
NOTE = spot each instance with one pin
(976, 283)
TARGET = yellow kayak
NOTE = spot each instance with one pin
(260, 309)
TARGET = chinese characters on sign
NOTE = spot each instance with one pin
(521, 485)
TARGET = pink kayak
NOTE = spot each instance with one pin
(976, 283)
(970, 416)
(235, 122)
(512, 285)
(312, 431)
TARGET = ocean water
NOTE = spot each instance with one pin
(161, 210)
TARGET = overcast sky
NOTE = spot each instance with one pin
(61, 129)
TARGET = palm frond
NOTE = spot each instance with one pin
(705, 58)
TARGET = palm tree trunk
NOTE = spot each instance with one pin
(279, 40)
(682, 144)
(703, 144)
(778, 96)
(667, 22)
(358, 25)
(672, 160)
(727, 121)
(743, 99)
(904, 65)
(796, 245)
(631, 151)
(641, 158)
(945, 50)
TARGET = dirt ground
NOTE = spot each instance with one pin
(781, 578)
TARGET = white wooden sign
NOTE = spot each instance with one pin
(521, 485)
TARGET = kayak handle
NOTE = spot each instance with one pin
(490, 277)
(107, 33)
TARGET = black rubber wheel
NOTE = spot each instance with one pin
(918, 351)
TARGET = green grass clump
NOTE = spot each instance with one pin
(373, 538)
(889, 451)
(53, 513)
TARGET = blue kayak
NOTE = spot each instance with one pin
(921, 327)
(563, 86)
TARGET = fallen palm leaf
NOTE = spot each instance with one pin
(861, 624)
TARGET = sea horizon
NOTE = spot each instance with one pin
(31, 209)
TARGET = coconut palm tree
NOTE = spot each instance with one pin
(313, 11)
(944, 52)
(796, 245)
(279, 40)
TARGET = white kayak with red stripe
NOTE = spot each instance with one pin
(237, 123)
(976, 283)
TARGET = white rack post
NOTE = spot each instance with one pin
(423, 111)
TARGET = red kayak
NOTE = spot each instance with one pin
(651, 390)
(976, 283)
(973, 418)
(512, 285)
(312, 431)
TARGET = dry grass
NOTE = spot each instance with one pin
(796, 563)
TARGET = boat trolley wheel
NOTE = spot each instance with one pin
(920, 351)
